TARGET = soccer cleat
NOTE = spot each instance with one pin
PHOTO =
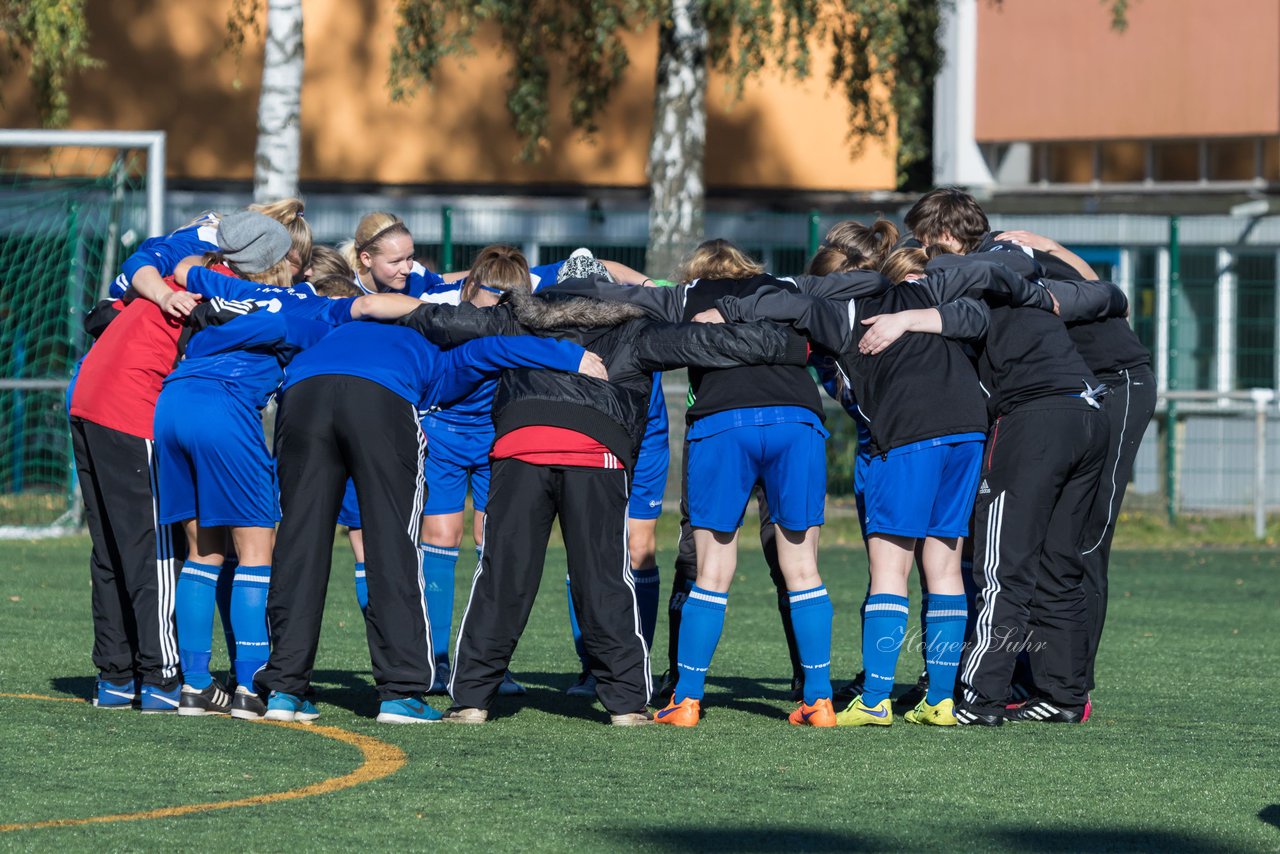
(667, 688)
(157, 701)
(290, 708)
(821, 713)
(881, 714)
(968, 717)
(246, 705)
(407, 710)
(685, 713)
(440, 682)
(631, 719)
(915, 695)
(466, 716)
(110, 695)
(213, 700)
(943, 713)
(510, 687)
(584, 687)
(849, 692)
(1088, 709)
(1040, 710)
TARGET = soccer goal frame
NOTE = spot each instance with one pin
(14, 382)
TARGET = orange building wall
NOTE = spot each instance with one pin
(1055, 70)
(163, 71)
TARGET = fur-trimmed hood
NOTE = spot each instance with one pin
(551, 311)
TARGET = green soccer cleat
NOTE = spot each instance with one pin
(943, 713)
(857, 714)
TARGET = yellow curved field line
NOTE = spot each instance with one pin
(380, 760)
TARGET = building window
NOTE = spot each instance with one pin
(1070, 163)
(1123, 162)
(1232, 159)
(1255, 353)
(1193, 345)
(1175, 161)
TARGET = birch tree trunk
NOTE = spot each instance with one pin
(275, 170)
(677, 195)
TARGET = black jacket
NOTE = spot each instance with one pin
(923, 386)
(632, 347)
(718, 389)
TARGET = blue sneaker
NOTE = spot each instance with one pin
(407, 710)
(110, 695)
(157, 701)
(440, 682)
(290, 707)
(510, 687)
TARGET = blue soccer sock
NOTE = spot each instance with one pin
(811, 614)
(648, 592)
(362, 588)
(574, 628)
(701, 624)
(884, 627)
(194, 601)
(943, 638)
(438, 564)
(249, 620)
(924, 621)
(225, 579)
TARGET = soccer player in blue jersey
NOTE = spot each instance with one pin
(382, 255)
(343, 417)
(158, 257)
(217, 474)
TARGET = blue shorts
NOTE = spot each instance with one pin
(650, 482)
(924, 490)
(349, 515)
(789, 459)
(213, 459)
(453, 458)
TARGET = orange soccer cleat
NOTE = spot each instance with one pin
(685, 713)
(821, 713)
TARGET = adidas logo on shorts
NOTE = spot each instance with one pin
(984, 489)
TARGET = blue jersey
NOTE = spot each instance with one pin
(544, 275)
(165, 252)
(473, 411)
(407, 364)
(247, 355)
(297, 301)
(419, 282)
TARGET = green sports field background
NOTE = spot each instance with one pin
(1182, 753)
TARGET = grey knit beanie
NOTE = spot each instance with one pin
(252, 241)
(582, 264)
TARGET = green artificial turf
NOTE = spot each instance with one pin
(1181, 755)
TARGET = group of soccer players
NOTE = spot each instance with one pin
(993, 379)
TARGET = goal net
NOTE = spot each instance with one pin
(73, 205)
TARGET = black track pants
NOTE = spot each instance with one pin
(329, 428)
(132, 566)
(1128, 406)
(1040, 474)
(524, 500)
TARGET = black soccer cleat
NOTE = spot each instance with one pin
(213, 700)
(246, 705)
(1040, 710)
(913, 695)
(846, 694)
(966, 716)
